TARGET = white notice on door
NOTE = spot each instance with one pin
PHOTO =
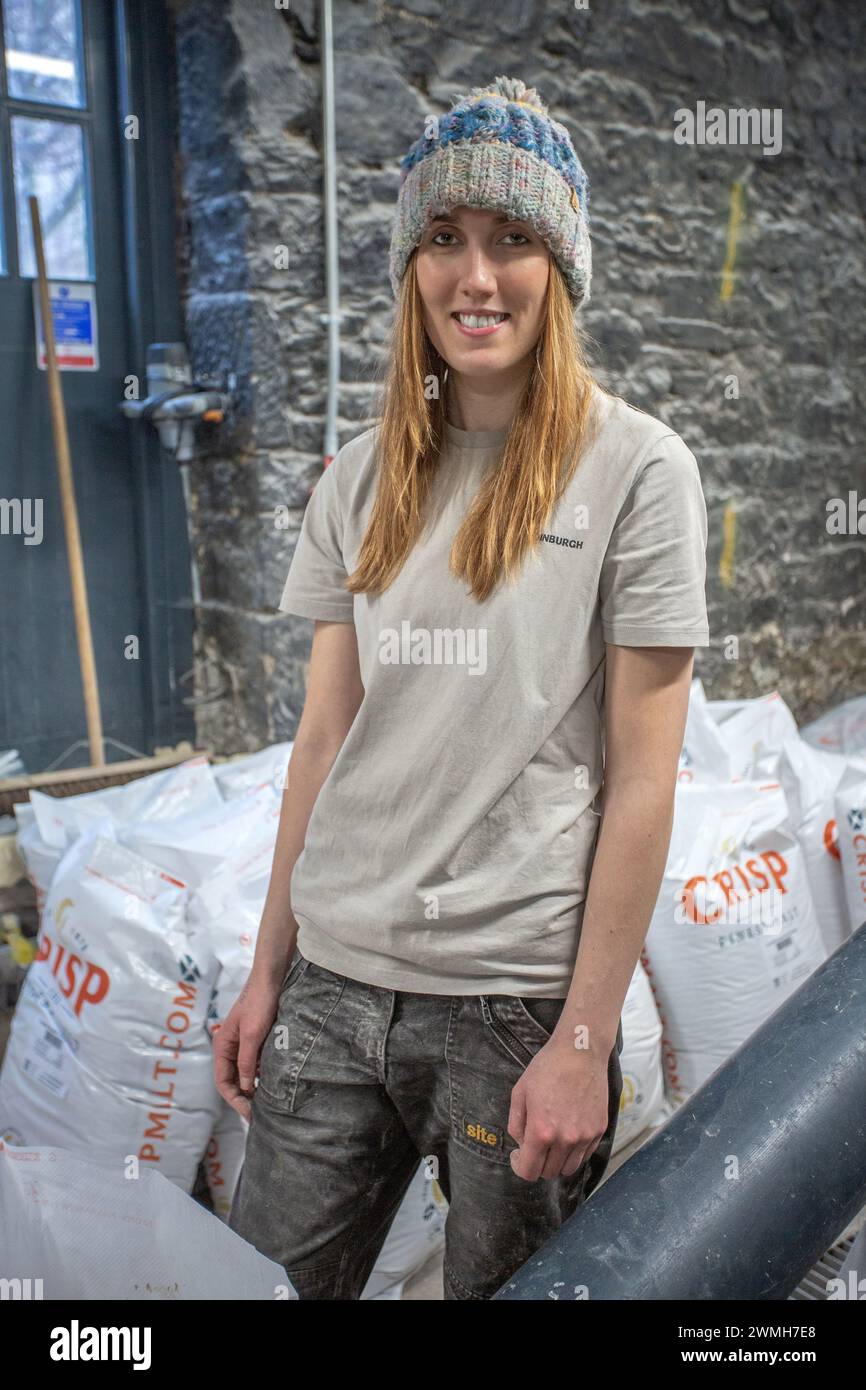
(73, 309)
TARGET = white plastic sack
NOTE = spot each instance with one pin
(720, 710)
(810, 778)
(88, 1232)
(224, 1158)
(643, 1093)
(850, 803)
(40, 858)
(182, 790)
(734, 930)
(703, 757)
(228, 907)
(840, 730)
(197, 846)
(733, 740)
(109, 1055)
(754, 736)
(267, 765)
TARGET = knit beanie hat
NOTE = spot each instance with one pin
(498, 148)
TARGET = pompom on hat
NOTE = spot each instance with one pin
(498, 148)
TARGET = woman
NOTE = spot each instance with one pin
(510, 563)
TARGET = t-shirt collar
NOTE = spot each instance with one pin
(474, 439)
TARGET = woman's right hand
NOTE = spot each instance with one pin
(237, 1042)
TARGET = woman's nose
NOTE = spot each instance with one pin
(477, 272)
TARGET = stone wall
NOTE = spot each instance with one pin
(762, 382)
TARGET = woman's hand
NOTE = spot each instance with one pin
(237, 1043)
(559, 1111)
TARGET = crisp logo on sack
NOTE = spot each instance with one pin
(92, 986)
(76, 1343)
(740, 882)
(561, 540)
(857, 821)
(490, 1138)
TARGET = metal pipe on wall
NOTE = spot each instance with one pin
(332, 267)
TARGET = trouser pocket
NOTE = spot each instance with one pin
(491, 1041)
(297, 966)
(521, 1026)
(307, 1000)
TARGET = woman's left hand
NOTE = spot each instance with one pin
(559, 1111)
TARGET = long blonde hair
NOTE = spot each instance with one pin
(542, 449)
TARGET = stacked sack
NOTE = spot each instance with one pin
(150, 898)
(109, 1054)
(753, 896)
(48, 825)
(837, 746)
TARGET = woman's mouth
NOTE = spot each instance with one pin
(480, 325)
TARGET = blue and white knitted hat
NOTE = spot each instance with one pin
(498, 148)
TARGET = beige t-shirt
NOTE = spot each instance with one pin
(450, 846)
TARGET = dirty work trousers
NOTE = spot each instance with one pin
(358, 1084)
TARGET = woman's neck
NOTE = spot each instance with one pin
(488, 406)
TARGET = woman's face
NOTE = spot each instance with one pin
(477, 261)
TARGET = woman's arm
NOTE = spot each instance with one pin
(559, 1108)
(334, 694)
(646, 704)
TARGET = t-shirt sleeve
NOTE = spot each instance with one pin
(317, 574)
(652, 591)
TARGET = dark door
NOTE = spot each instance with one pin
(85, 125)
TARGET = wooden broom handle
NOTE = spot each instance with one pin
(80, 607)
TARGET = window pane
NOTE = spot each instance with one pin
(48, 160)
(43, 51)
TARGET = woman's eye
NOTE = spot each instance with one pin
(436, 242)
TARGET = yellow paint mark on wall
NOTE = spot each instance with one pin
(735, 217)
(729, 536)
